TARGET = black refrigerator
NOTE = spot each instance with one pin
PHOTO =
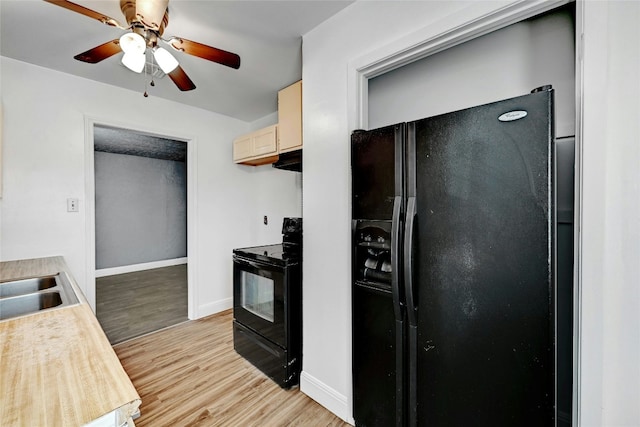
(453, 292)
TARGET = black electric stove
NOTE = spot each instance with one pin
(267, 305)
(287, 252)
(275, 254)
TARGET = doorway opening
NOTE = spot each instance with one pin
(140, 187)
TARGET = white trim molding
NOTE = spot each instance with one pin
(90, 217)
(132, 268)
(577, 220)
(90, 212)
(192, 227)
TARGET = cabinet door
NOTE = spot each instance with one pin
(290, 117)
(264, 141)
(242, 147)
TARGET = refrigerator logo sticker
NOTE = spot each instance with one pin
(512, 115)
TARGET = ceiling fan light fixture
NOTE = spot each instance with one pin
(146, 22)
(134, 61)
(165, 60)
(132, 43)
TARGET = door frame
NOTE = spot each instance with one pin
(90, 206)
(470, 23)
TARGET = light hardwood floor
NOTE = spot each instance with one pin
(133, 304)
(190, 375)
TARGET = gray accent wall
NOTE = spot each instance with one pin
(141, 209)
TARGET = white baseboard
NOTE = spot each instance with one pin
(214, 307)
(140, 267)
(325, 395)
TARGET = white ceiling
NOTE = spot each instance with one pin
(266, 35)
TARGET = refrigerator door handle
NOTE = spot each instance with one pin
(398, 307)
(408, 261)
(395, 258)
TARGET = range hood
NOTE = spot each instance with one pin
(291, 161)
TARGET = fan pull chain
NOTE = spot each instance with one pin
(152, 68)
(146, 95)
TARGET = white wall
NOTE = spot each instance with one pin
(268, 120)
(1, 163)
(276, 202)
(611, 174)
(327, 51)
(44, 164)
(610, 294)
(275, 193)
(278, 194)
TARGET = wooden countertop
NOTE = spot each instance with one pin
(57, 367)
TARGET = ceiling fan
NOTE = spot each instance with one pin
(146, 22)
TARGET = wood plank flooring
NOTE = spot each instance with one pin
(190, 375)
(133, 304)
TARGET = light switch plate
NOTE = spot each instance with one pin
(72, 205)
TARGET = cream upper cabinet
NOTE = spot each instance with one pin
(265, 141)
(290, 118)
(257, 148)
(263, 146)
(242, 147)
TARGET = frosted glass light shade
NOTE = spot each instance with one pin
(165, 60)
(132, 43)
(134, 61)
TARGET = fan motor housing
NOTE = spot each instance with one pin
(152, 14)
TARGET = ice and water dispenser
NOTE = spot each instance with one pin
(372, 247)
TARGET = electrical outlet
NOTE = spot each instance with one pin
(265, 220)
(72, 205)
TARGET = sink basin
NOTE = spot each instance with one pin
(26, 304)
(26, 286)
(32, 295)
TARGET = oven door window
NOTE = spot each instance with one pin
(259, 298)
(258, 295)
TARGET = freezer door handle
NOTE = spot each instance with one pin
(395, 258)
(408, 261)
(412, 313)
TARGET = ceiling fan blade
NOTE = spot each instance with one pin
(98, 53)
(205, 52)
(181, 79)
(87, 12)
